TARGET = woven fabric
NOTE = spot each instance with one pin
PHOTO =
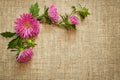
(92, 52)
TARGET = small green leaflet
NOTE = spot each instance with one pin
(15, 42)
(7, 34)
(44, 17)
(34, 10)
(20, 44)
(74, 8)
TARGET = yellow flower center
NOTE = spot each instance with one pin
(26, 25)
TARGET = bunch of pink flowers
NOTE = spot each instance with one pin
(27, 26)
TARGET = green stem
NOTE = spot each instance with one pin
(20, 49)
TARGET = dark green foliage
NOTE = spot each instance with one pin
(34, 9)
(7, 34)
(13, 43)
(44, 18)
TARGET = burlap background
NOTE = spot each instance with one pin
(92, 52)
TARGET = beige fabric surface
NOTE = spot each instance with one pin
(92, 52)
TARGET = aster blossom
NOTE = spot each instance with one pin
(25, 55)
(73, 20)
(26, 26)
(52, 13)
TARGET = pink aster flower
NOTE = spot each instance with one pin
(73, 20)
(26, 26)
(52, 13)
(25, 55)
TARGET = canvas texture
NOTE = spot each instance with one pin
(92, 52)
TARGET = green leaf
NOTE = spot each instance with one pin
(46, 10)
(73, 27)
(79, 5)
(13, 43)
(34, 9)
(44, 18)
(20, 44)
(74, 8)
(7, 34)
